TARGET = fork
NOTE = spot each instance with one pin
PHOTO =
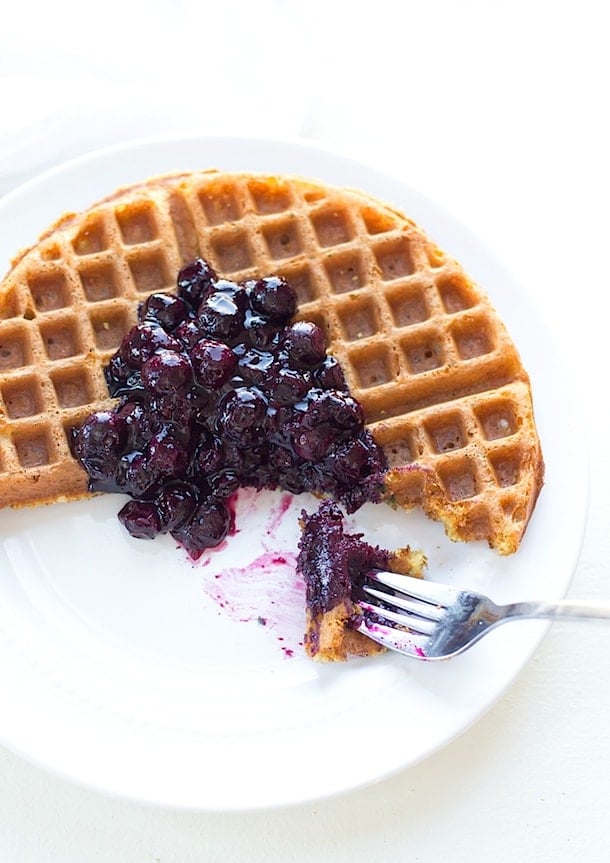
(428, 620)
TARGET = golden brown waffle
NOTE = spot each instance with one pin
(440, 381)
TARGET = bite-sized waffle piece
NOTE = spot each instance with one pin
(441, 383)
(332, 563)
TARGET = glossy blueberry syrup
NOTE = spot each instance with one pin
(219, 389)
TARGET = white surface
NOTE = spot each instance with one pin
(165, 664)
(497, 112)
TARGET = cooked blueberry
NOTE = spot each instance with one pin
(329, 376)
(209, 457)
(347, 460)
(166, 455)
(224, 483)
(220, 316)
(246, 459)
(136, 478)
(293, 481)
(213, 363)
(117, 374)
(332, 406)
(329, 558)
(166, 310)
(255, 366)
(188, 332)
(261, 332)
(281, 458)
(241, 409)
(345, 411)
(376, 462)
(195, 281)
(99, 442)
(288, 386)
(167, 372)
(274, 297)
(143, 340)
(315, 407)
(305, 344)
(140, 423)
(175, 413)
(141, 519)
(175, 504)
(231, 289)
(121, 379)
(200, 403)
(313, 444)
(207, 527)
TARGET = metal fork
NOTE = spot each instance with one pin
(428, 620)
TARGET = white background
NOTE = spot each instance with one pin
(498, 111)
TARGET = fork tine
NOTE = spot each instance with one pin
(408, 643)
(418, 588)
(408, 621)
(421, 609)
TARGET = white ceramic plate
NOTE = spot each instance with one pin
(128, 668)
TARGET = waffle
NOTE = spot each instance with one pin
(441, 383)
(332, 564)
(330, 637)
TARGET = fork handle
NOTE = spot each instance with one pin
(564, 608)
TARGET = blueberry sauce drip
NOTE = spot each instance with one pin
(219, 389)
(331, 561)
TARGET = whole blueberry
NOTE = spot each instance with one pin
(99, 442)
(195, 281)
(241, 409)
(261, 332)
(220, 316)
(135, 474)
(305, 344)
(213, 363)
(140, 423)
(141, 519)
(206, 528)
(188, 332)
(347, 460)
(175, 504)
(166, 455)
(329, 375)
(167, 372)
(209, 456)
(143, 340)
(223, 483)
(164, 309)
(313, 444)
(274, 297)
(288, 386)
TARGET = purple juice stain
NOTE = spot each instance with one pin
(266, 591)
(277, 514)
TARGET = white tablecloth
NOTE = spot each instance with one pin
(498, 111)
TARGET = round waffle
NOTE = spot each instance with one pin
(441, 383)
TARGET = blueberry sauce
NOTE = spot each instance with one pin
(219, 389)
(332, 562)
